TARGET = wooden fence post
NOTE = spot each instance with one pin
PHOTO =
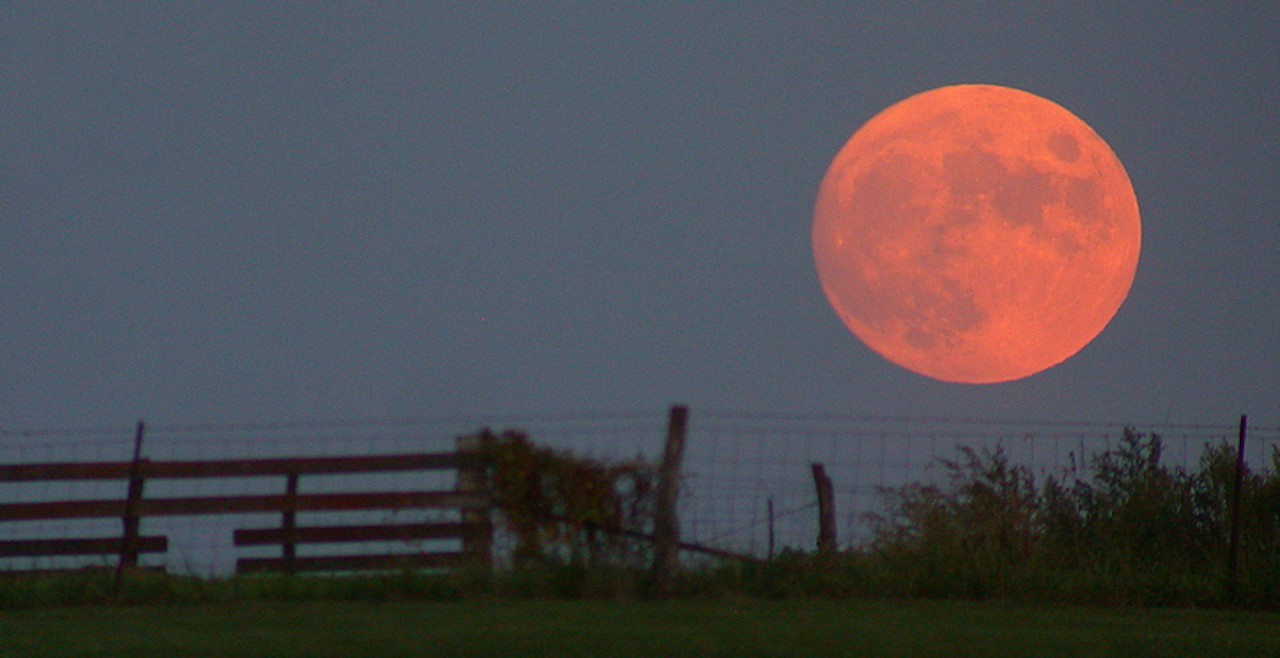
(130, 520)
(289, 526)
(1233, 559)
(666, 525)
(826, 512)
(473, 478)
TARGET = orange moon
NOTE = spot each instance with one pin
(976, 234)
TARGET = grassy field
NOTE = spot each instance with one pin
(634, 628)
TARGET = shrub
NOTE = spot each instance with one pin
(561, 507)
(1123, 528)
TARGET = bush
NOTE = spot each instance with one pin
(563, 508)
(1122, 529)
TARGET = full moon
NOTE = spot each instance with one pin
(976, 234)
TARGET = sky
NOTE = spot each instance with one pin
(248, 212)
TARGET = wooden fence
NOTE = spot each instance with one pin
(470, 498)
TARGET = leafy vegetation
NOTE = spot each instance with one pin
(1122, 529)
(566, 508)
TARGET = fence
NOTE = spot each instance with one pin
(748, 482)
(469, 497)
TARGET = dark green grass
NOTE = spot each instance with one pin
(721, 627)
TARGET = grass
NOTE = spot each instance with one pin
(717, 627)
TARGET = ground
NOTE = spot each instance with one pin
(635, 628)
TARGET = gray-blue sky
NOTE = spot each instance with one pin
(229, 212)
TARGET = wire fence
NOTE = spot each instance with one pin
(747, 484)
(740, 465)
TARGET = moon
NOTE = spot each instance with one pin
(976, 234)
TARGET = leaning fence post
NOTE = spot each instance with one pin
(666, 525)
(130, 518)
(473, 479)
(1233, 559)
(826, 512)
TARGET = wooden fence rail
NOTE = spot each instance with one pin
(470, 497)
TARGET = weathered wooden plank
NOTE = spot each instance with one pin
(92, 569)
(303, 465)
(131, 522)
(826, 511)
(666, 525)
(64, 471)
(245, 504)
(352, 562)
(234, 467)
(94, 546)
(336, 502)
(63, 509)
(324, 534)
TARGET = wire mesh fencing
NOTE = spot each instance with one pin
(747, 484)
(750, 485)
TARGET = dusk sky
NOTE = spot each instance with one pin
(251, 212)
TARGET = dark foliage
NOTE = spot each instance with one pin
(1123, 528)
(561, 507)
